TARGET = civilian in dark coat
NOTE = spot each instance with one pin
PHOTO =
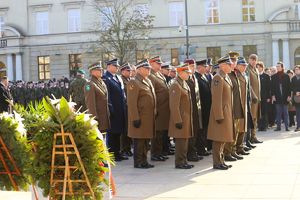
(296, 92)
(265, 94)
(281, 95)
(5, 96)
(117, 108)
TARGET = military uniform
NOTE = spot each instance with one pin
(5, 95)
(77, 93)
(220, 128)
(181, 119)
(141, 101)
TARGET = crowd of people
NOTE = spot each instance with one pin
(193, 110)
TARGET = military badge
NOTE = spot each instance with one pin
(216, 82)
(87, 87)
(131, 87)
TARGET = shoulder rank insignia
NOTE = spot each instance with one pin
(216, 82)
(87, 87)
(131, 86)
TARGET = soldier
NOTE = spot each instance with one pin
(181, 116)
(165, 70)
(161, 88)
(76, 90)
(173, 72)
(6, 99)
(117, 108)
(141, 102)
(209, 66)
(96, 98)
(220, 128)
(243, 123)
(229, 149)
(126, 142)
(205, 99)
(197, 117)
(255, 95)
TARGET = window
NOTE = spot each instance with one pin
(44, 67)
(143, 9)
(248, 10)
(212, 12)
(75, 63)
(248, 50)
(105, 17)
(175, 56)
(74, 20)
(2, 69)
(176, 13)
(1, 25)
(214, 53)
(42, 23)
(141, 55)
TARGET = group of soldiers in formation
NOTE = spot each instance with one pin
(203, 108)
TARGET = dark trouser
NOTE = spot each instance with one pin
(282, 110)
(113, 143)
(253, 131)
(229, 147)
(166, 142)
(218, 156)
(292, 118)
(298, 115)
(192, 146)
(271, 114)
(240, 142)
(126, 143)
(203, 142)
(157, 143)
(181, 147)
(263, 121)
(140, 149)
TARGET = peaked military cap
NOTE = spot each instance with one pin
(143, 63)
(241, 61)
(209, 62)
(216, 66)
(126, 66)
(190, 61)
(166, 66)
(96, 65)
(80, 71)
(114, 62)
(156, 59)
(233, 55)
(183, 67)
(201, 62)
(225, 59)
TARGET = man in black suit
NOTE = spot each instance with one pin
(205, 97)
(281, 95)
(265, 94)
(5, 96)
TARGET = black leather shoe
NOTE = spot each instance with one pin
(220, 167)
(248, 144)
(164, 157)
(193, 159)
(200, 157)
(228, 166)
(297, 129)
(287, 129)
(229, 158)
(157, 158)
(148, 165)
(256, 141)
(206, 153)
(247, 148)
(243, 153)
(184, 166)
(277, 129)
(235, 155)
(120, 158)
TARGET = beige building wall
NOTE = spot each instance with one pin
(275, 32)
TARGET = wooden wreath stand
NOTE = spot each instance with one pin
(4, 152)
(67, 148)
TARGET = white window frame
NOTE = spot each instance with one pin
(248, 7)
(176, 13)
(103, 21)
(2, 22)
(209, 11)
(42, 22)
(143, 8)
(74, 20)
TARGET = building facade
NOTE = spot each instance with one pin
(44, 39)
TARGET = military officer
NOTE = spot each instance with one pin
(141, 101)
(117, 108)
(181, 116)
(220, 128)
(205, 99)
(77, 90)
(242, 126)
(255, 94)
(6, 99)
(197, 115)
(126, 142)
(165, 70)
(96, 97)
(229, 150)
(161, 88)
